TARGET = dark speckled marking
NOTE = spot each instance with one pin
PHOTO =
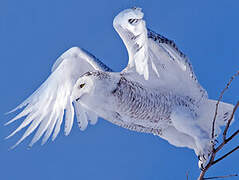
(139, 103)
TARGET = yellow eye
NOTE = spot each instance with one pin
(82, 85)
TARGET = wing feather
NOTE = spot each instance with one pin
(93, 118)
(49, 129)
(44, 109)
(156, 58)
(58, 125)
(81, 116)
(69, 117)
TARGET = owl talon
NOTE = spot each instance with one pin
(202, 168)
(201, 165)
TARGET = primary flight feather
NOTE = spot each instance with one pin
(156, 93)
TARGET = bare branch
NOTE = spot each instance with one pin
(219, 99)
(226, 140)
(217, 177)
(229, 121)
(213, 155)
(232, 136)
(221, 158)
(203, 172)
(212, 160)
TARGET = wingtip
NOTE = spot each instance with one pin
(11, 111)
(10, 149)
(53, 138)
(66, 133)
(16, 108)
(6, 138)
(29, 147)
(44, 141)
(14, 146)
(10, 121)
(10, 135)
(7, 123)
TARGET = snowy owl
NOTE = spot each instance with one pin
(156, 93)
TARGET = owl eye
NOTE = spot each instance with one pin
(81, 86)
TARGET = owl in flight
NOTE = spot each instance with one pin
(156, 93)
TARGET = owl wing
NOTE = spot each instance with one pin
(154, 59)
(47, 106)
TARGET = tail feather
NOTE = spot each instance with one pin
(224, 113)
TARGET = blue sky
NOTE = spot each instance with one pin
(34, 33)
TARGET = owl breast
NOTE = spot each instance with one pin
(148, 106)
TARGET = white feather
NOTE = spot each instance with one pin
(49, 129)
(157, 92)
(81, 116)
(92, 117)
(45, 107)
(58, 125)
(69, 117)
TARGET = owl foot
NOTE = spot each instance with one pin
(203, 160)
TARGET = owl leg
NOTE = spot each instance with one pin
(185, 122)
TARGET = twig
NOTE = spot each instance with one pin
(219, 100)
(221, 158)
(229, 121)
(212, 160)
(232, 136)
(217, 177)
(203, 172)
(226, 140)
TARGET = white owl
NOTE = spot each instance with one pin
(156, 93)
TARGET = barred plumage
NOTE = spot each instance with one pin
(157, 92)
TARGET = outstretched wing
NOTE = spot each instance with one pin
(172, 67)
(155, 57)
(45, 108)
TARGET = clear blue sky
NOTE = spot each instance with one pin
(34, 33)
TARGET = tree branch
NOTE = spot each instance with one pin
(219, 100)
(229, 121)
(212, 160)
(217, 177)
(221, 158)
(232, 136)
